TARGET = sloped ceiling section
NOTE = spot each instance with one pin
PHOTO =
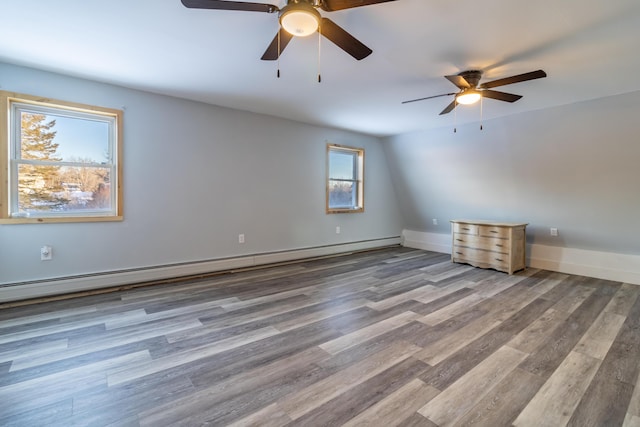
(589, 49)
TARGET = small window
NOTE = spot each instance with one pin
(63, 161)
(345, 179)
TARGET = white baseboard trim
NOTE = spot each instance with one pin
(601, 265)
(427, 241)
(64, 285)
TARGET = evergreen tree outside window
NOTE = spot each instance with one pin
(63, 161)
(345, 179)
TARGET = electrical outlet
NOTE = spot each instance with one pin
(46, 253)
(338, 229)
(240, 238)
(553, 231)
(435, 221)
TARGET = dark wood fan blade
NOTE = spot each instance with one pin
(459, 81)
(538, 74)
(500, 96)
(449, 107)
(343, 39)
(332, 5)
(428, 97)
(230, 5)
(271, 54)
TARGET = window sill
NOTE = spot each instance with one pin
(45, 220)
(348, 210)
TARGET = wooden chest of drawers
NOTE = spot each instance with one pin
(486, 244)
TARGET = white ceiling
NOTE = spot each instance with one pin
(589, 49)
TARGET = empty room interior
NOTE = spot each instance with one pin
(319, 213)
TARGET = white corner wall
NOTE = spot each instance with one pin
(602, 265)
(573, 167)
(196, 176)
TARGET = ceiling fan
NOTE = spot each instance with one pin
(470, 92)
(299, 18)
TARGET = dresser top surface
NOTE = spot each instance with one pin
(486, 222)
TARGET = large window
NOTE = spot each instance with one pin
(60, 161)
(345, 179)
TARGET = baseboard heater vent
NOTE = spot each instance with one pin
(63, 287)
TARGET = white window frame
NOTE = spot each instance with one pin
(357, 179)
(11, 105)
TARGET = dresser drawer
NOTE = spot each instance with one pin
(478, 256)
(465, 228)
(492, 231)
(480, 242)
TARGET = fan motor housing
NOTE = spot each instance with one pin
(472, 77)
(314, 3)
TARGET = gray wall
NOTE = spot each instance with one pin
(195, 176)
(574, 167)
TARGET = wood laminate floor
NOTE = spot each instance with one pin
(395, 337)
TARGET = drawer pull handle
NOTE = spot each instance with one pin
(493, 231)
(498, 245)
(465, 228)
(459, 240)
(459, 253)
(498, 259)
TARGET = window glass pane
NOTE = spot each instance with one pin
(63, 189)
(60, 138)
(342, 165)
(342, 194)
(344, 179)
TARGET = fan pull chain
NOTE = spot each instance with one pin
(319, 51)
(481, 112)
(278, 51)
(455, 116)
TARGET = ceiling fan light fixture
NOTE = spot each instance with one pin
(300, 19)
(469, 96)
